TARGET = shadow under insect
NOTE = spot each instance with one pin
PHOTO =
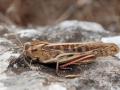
(25, 63)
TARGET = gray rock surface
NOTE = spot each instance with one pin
(103, 74)
(67, 31)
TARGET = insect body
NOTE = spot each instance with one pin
(67, 54)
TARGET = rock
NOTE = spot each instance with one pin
(67, 31)
(56, 87)
(84, 25)
(112, 39)
(74, 31)
(28, 34)
(5, 53)
(103, 74)
(6, 43)
(6, 49)
(23, 35)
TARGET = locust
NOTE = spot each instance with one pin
(67, 54)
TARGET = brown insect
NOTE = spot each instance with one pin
(66, 54)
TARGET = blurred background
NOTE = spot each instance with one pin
(49, 12)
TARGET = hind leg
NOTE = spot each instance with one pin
(75, 59)
(81, 59)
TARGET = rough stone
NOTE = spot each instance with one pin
(103, 74)
(67, 31)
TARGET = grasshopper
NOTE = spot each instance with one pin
(67, 54)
